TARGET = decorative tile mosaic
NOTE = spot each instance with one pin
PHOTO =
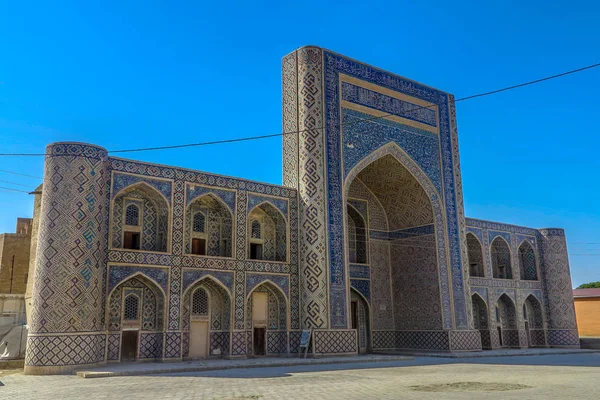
(389, 105)
(281, 281)
(118, 273)
(363, 287)
(360, 271)
(121, 181)
(192, 276)
(280, 204)
(194, 192)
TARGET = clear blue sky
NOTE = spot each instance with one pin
(147, 73)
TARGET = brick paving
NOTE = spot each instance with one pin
(539, 377)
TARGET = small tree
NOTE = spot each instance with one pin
(589, 285)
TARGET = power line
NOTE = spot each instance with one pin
(16, 184)
(14, 190)
(321, 128)
(20, 174)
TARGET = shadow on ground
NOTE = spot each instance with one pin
(574, 360)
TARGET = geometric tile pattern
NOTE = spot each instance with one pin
(65, 350)
(563, 337)
(335, 341)
(114, 347)
(238, 343)
(276, 342)
(311, 188)
(219, 340)
(465, 340)
(151, 345)
(173, 345)
(295, 341)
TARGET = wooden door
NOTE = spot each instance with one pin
(129, 345)
(199, 339)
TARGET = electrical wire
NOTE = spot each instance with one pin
(20, 174)
(320, 128)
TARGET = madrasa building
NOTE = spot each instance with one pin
(365, 243)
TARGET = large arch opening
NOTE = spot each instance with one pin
(208, 227)
(140, 219)
(506, 319)
(266, 320)
(527, 263)
(400, 243)
(136, 320)
(205, 320)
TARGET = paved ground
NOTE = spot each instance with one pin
(572, 376)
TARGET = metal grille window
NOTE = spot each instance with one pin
(256, 230)
(132, 305)
(199, 222)
(200, 302)
(132, 215)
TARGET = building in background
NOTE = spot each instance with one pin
(14, 271)
(365, 243)
(587, 309)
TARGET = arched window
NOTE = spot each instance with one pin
(132, 305)
(501, 265)
(256, 230)
(527, 262)
(132, 215)
(199, 224)
(200, 303)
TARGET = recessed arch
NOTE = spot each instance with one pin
(527, 262)
(142, 275)
(214, 196)
(206, 333)
(501, 258)
(475, 256)
(209, 277)
(216, 239)
(414, 216)
(152, 232)
(272, 243)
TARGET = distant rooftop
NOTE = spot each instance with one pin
(582, 293)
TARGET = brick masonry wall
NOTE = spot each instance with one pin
(16, 245)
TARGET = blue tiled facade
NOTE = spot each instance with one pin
(367, 139)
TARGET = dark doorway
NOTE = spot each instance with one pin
(354, 316)
(129, 345)
(256, 251)
(131, 240)
(199, 247)
(259, 341)
(500, 335)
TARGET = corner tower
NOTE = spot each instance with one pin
(67, 322)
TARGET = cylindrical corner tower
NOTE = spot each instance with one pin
(67, 321)
(562, 325)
